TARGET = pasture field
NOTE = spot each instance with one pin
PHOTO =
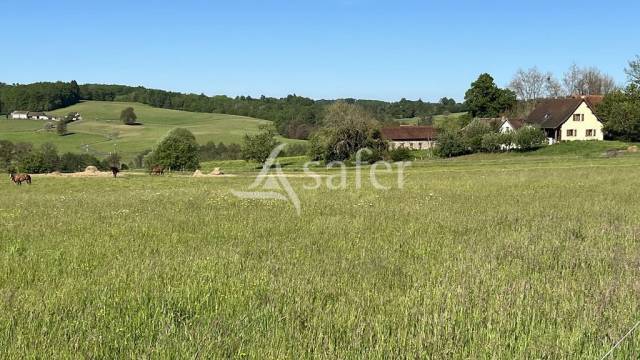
(436, 118)
(103, 131)
(519, 257)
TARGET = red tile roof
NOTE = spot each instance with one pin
(408, 133)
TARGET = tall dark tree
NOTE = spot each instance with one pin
(486, 99)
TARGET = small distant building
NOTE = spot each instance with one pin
(30, 115)
(410, 137)
(19, 115)
(75, 116)
(502, 124)
(568, 119)
(38, 115)
(511, 125)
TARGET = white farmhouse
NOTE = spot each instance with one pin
(568, 119)
(19, 115)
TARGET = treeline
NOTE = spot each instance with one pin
(24, 157)
(293, 116)
(42, 96)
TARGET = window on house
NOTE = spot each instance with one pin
(571, 132)
(578, 117)
(591, 132)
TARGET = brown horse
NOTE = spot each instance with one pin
(157, 170)
(115, 171)
(20, 178)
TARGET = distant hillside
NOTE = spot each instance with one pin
(293, 116)
(103, 132)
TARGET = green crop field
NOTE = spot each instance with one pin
(102, 130)
(507, 257)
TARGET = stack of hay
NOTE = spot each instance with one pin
(216, 172)
(91, 170)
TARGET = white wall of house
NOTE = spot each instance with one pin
(18, 116)
(588, 128)
(506, 127)
(415, 144)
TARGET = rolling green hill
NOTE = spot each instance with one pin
(102, 131)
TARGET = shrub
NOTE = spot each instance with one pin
(450, 143)
(474, 133)
(259, 147)
(177, 151)
(6, 153)
(529, 138)
(296, 149)
(400, 154)
(491, 142)
(70, 162)
(44, 160)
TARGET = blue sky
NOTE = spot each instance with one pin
(321, 49)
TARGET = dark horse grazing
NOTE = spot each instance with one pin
(157, 170)
(115, 171)
(20, 178)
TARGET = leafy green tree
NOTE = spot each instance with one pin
(473, 135)
(620, 113)
(128, 116)
(61, 127)
(450, 144)
(177, 151)
(44, 160)
(486, 99)
(258, 147)
(529, 138)
(620, 110)
(346, 129)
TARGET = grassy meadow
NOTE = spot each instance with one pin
(103, 131)
(518, 257)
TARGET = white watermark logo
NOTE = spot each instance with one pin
(272, 183)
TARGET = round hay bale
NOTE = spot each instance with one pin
(91, 169)
(197, 173)
(632, 149)
(216, 172)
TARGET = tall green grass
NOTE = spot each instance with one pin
(507, 260)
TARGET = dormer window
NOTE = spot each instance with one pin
(578, 117)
